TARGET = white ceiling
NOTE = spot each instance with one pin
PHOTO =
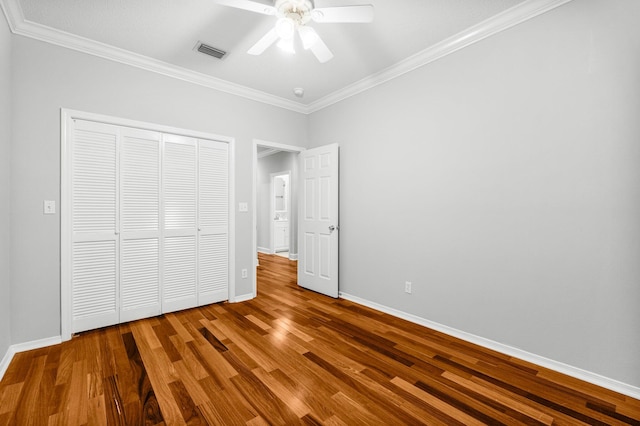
(161, 35)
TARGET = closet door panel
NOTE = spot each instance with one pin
(213, 220)
(94, 225)
(140, 224)
(179, 180)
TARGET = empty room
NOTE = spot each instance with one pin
(320, 212)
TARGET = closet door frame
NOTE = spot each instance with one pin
(66, 119)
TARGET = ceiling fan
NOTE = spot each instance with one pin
(293, 16)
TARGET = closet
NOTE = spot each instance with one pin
(149, 222)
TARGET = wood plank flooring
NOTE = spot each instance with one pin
(289, 357)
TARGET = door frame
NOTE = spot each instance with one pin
(66, 116)
(254, 228)
(272, 207)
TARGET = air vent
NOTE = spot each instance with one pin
(210, 50)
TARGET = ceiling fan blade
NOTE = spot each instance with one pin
(308, 36)
(321, 51)
(267, 40)
(249, 5)
(348, 14)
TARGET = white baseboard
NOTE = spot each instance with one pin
(265, 250)
(26, 346)
(293, 256)
(560, 367)
(242, 298)
(6, 360)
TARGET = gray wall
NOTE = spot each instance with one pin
(5, 151)
(504, 182)
(279, 162)
(47, 78)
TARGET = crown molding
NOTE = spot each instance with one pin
(500, 22)
(13, 12)
(19, 25)
(505, 20)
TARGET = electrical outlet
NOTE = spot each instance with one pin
(407, 287)
(244, 273)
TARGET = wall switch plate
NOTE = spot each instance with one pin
(244, 273)
(407, 287)
(243, 207)
(49, 207)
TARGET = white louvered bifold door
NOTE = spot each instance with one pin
(139, 224)
(213, 223)
(94, 225)
(179, 179)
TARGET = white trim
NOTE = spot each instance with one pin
(254, 191)
(6, 360)
(267, 152)
(558, 366)
(65, 228)
(265, 250)
(21, 26)
(66, 115)
(232, 220)
(513, 16)
(243, 298)
(13, 12)
(500, 22)
(26, 346)
(293, 256)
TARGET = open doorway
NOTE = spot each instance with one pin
(280, 200)
(275, 170)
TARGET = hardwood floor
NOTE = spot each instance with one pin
(290, 356)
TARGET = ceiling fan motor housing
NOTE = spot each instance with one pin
(298, 11)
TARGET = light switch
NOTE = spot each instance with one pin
(49, 207)
(243, 207)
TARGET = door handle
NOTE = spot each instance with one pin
(333, 228)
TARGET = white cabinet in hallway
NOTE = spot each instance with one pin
(281, 235)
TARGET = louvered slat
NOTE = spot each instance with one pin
(140, 184)
(214, 263)
(140, 275)
(94, 181)
(94, 279)
(179, 268)
(214, 184)
(179, 185)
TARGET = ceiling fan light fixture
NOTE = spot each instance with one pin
(285, 27)
(309, 37)
(286, 45)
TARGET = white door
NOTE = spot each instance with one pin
(179, 180)
(213, 222)
(139, 224)
(318, 220)
(94, 225)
